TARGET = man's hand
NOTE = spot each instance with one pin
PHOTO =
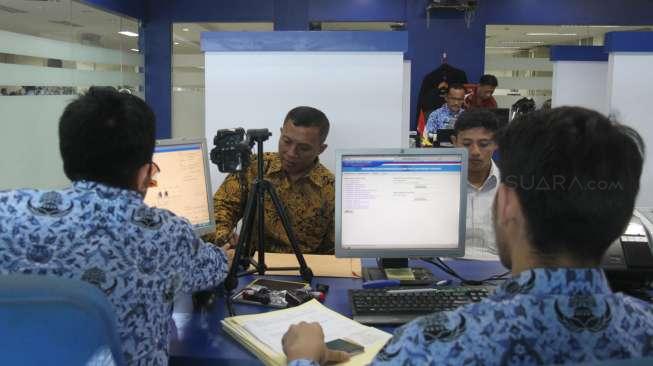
(306, 341)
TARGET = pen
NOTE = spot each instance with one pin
(411, 290)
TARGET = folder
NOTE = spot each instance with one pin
(261, 333)
(322, 265)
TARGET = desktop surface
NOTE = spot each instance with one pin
(197, 337)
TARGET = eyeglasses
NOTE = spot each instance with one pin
(154, 172)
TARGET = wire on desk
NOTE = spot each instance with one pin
(450, 271)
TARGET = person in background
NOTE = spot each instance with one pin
(445, 116)
(569, 179)
(475, 130)
(482, 96)
(99, 230)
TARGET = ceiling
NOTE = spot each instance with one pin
(68, 20)
(514, 38)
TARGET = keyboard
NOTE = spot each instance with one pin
(399, 305)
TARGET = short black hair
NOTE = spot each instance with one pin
(106, 136)
(456, 86)
(489, 79)
(576, 174)
(474, 118)
(303, 116)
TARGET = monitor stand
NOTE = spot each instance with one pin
(422, 276)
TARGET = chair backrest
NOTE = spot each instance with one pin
(48, 320)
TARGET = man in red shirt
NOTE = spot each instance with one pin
(482, 96)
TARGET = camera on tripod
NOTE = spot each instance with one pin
(232, 151)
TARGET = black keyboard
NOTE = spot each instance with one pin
(399, 305)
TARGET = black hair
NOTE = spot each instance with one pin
(456, 86)
(106, 136)
(488, 79)
(474, 118)
(576, 174)
(309, 117)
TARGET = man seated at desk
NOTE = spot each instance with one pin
(482, 97)
(100, 231)
(475, 130)
(445, 116)
(305, 187)
(553, 226)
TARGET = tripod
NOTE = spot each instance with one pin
(255, 204)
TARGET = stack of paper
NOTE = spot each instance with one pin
(261, 333)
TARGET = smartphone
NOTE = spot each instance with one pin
(346, 346)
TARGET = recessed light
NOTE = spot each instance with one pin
(134, 49)
(521, 42)
(551, 34)
(184, 29)
(128, 33)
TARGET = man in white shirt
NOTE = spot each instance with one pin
(475, 130)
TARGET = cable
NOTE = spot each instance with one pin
(450, 271)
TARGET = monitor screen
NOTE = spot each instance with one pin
(183, 184)
(393, 203)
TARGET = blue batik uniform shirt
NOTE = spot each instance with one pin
(540, 317)
(441, 118)
(139, 256)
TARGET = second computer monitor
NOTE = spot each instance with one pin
(394, 203)
(183, 183)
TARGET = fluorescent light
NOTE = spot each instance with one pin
(184, 29)
(551, 34)
(176, 43)
(134, 49)
(128, 33)
(521, 42)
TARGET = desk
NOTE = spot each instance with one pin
(197, 337)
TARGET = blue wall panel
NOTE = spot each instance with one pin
(134, 8)
(357, 10)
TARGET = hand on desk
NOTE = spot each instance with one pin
(306, 341)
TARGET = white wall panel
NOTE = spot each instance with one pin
(630, 77)
(360, 92)
(580, 83)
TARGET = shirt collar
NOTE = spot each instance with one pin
(491, 181)
(448, 111)
(554, 281)
(106, 191)
(315, 174)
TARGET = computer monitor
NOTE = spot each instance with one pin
(400, 203)
(183, 184)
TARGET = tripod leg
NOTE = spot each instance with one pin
(231, 282)
(306, 272)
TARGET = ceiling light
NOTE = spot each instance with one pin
(134, 49)
(521, 42)
(504, 47)
(551, 34)
(184, 29)
(176, 43)
(604, 26)
(128, 33)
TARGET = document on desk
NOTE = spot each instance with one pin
(261, 333)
